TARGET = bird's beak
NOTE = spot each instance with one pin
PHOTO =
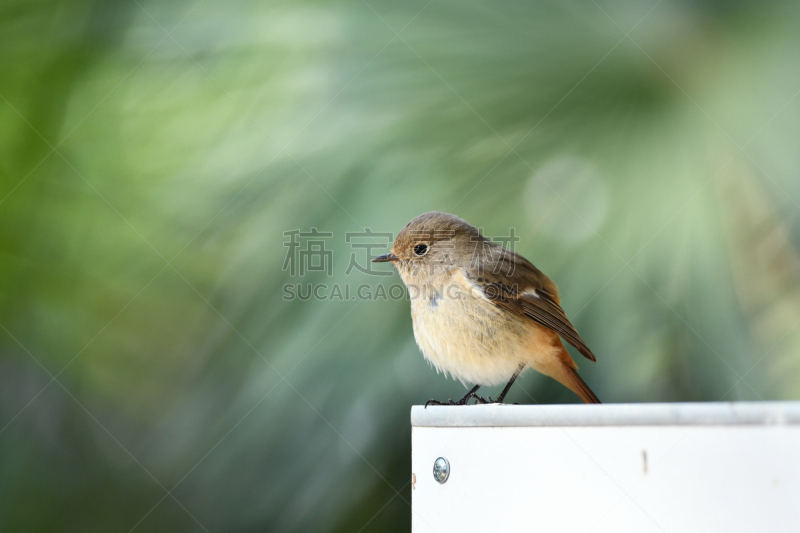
(385, 258)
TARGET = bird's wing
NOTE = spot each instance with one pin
(509, 280)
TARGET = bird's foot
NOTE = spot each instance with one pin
(484, 401)
(462, 401)
(488, 400)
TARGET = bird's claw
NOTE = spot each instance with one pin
(448, 402)
(488, 400)
(435, 402)
(462, 401)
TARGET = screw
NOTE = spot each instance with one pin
(441, 470)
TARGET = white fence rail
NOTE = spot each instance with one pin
(701, 467)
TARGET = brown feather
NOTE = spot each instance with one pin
(511, 281)
(579, 387)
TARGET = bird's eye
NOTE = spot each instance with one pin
(421, 249)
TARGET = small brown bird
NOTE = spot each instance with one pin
(481, 312)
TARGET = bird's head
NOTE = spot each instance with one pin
(432, 244)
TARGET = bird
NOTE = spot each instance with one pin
(482, 313)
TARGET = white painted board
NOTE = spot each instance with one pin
(702, 467)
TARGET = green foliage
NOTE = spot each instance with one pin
(153, 154)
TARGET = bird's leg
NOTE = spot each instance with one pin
(510, 382)
(500, 398)
(467, 396)
(462, 401)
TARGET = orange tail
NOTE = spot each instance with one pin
(574, 382)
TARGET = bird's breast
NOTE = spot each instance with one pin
(463, 334)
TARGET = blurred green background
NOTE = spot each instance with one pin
(152, 155)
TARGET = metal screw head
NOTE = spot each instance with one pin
(441, 470)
